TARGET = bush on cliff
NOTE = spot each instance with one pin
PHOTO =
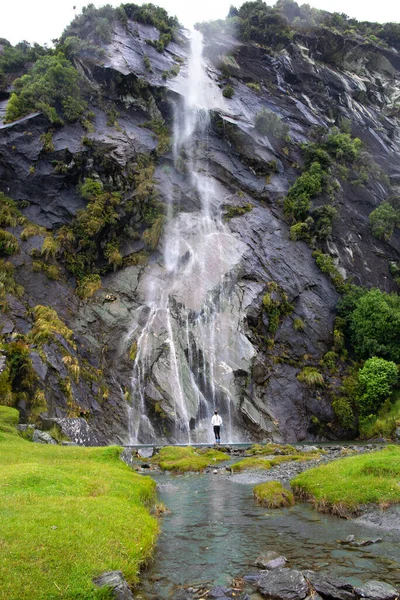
(52, 86)
(68, 514)
(383, 220)
(377, 379)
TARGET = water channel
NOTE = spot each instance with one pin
(215, 530)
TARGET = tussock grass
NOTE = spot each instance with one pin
(184, 459)
(342, 487)
(68, 514)
(273, 495)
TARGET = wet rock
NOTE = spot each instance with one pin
(220, 592)
(270, 560)
(351, 541)
(42, 437)
(330, 587)
(116, 582)
(283, 584)
(388, 519)
(377, 590)
(78, 431)
(145, 452)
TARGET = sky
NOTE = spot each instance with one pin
(43, 20)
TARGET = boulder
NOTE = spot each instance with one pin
(270, 560)
(116, 582)
(283, 584)
(42, 437)
(146, 452)
(377, 590)
(330, 587)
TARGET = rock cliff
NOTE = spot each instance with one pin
(133, 92)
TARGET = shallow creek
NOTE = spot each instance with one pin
(215, 530)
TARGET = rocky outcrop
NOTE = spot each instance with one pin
(301, 85)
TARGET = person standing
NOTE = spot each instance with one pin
(216, 422)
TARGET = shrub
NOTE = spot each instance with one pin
(311, 377)
(377, 379)
(343, 412)
(228, 92)
(52, 83)
(276, 305)
(254, 86)
(383, 220)
(88, 286)
(342, 146)
(47, 326)
(298, 200)
(374, 325)
(298, 324)
(268, 123)
(8, 243)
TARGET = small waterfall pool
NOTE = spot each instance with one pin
(215, 530)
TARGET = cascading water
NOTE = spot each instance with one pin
(189, 344)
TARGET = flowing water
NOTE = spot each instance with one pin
(215, 531)
(188, 328)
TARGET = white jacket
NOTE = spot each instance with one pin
(216, 420)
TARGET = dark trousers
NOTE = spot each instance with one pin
(216, 432)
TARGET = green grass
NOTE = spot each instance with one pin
(343, 486)
(273, 495)
(183, 459)
(67, 515)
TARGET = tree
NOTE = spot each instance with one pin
(383, 221)
(376, 378)
(375, 325)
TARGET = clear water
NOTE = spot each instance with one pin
(215, 531)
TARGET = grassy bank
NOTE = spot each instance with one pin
(183, 459)
(343, 486)
(67, 515)
(272, 494)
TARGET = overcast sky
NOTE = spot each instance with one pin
(42, 20)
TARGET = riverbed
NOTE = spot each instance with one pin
(215, 530)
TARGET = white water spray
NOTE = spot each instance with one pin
(188, 345)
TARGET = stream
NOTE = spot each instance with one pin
(215, 530)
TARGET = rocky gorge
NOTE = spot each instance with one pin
(196, 291)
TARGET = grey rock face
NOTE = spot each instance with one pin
(42, 437)
(117, 583)
(78, 431)
(377, 590)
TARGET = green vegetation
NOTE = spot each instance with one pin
(68, 515)
(228, 92)
(252, 85)
(276, 305)
(385, 423)
(372, 321)
(377, 379)
(383, 220)
(53, 86)
(311, 377)
(274, 26)
(257, 463)
(343, 486)
(230, 212)
(272, 494)
(268, 123)
(183, 459)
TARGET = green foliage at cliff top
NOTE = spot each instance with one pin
(68, 514)
(184, 459)
(52, 86)
(343, 486)
(275, 26)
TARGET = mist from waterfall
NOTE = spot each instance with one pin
(188, 345)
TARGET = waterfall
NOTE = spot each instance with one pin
(187, 330)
